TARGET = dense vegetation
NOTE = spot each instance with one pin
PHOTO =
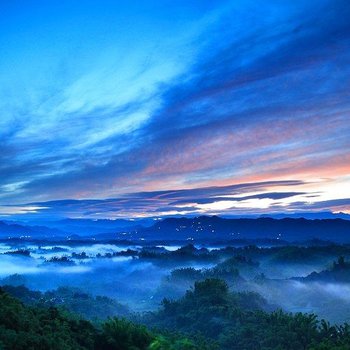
(238, 321)
(229, 320)
(212, 298)
(35, 328)
(338, 272)
(23, 327)
(72, 300)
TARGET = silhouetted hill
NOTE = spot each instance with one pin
(87, 227)
(339, 272)
(70, 227)
(198, 228)
(214, 227)
(16, 230)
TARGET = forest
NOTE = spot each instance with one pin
(207, 317)
(110, 295)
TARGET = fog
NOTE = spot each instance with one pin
(140, 277)
(330, 301)
(128, 279)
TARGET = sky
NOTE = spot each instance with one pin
(115, 109)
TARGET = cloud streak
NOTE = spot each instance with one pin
(242, 199)
(226, 94)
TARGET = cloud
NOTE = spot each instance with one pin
(233, 93)
(333, 205)
(252, 197)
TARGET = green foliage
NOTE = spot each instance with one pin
(236, 321)
(208, 317)
(339, 271)
(35, 328)
(124, 335)
(23, 327)
(184, 274)
(226, 270)
(161, 343)
(72, 300)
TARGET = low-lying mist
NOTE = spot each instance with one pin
(141, 277)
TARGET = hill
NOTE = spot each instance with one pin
(206, 227)
(194, 229)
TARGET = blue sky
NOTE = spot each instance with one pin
(120, 102)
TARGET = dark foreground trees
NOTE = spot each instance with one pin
(34, 328)
(237, 321)
(210, 316)
(23, 327)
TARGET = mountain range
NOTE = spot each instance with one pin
(193, 229)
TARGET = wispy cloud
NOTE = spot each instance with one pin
(226, 93)
(245, 198)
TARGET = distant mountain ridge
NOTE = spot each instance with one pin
(67, 227)
(339, 272)
(215, 227)
(16, 230)
(197, 228)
